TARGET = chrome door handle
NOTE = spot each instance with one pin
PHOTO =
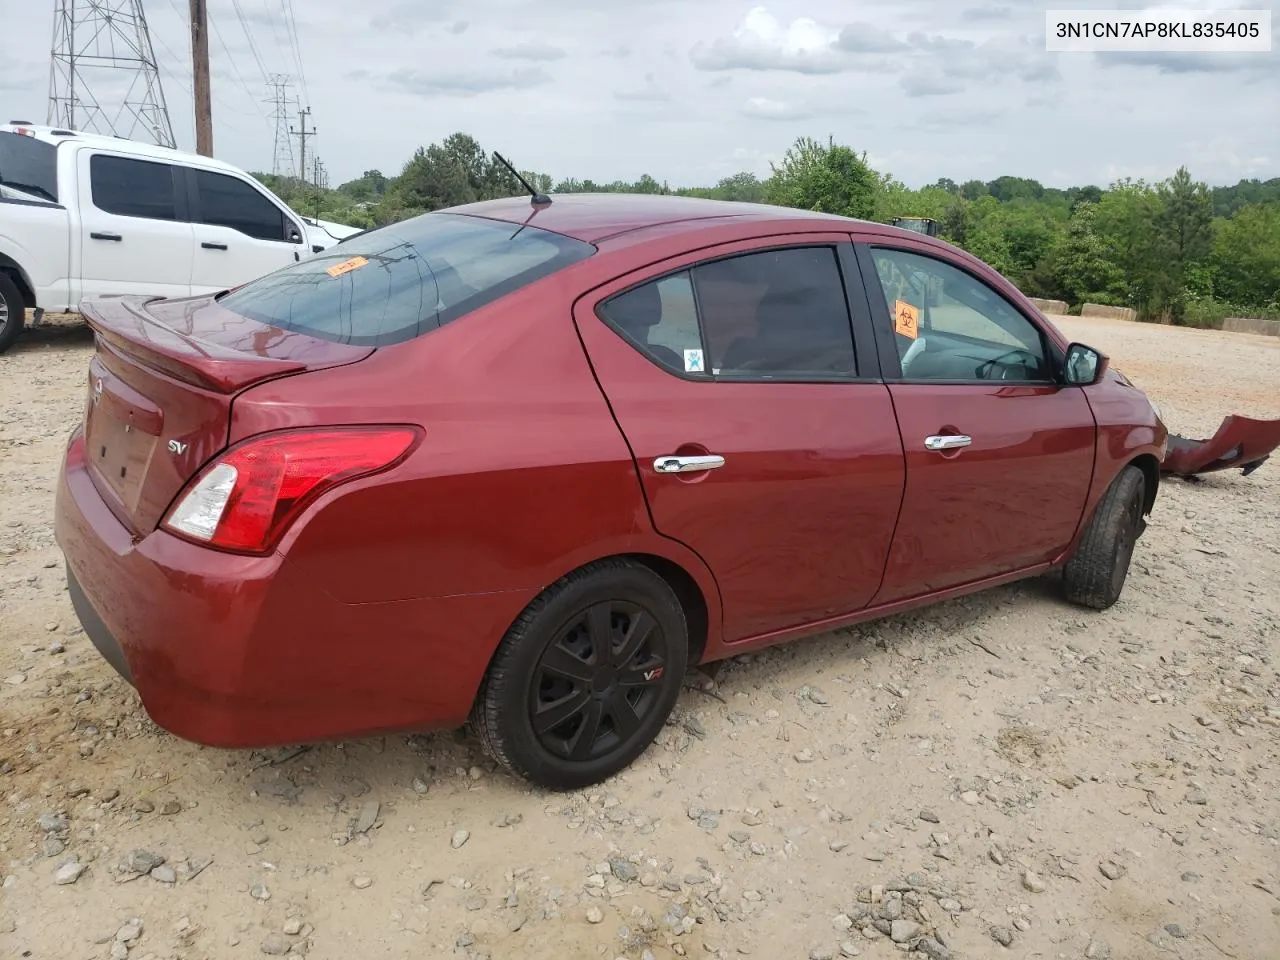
(949, 442)
(674, 464)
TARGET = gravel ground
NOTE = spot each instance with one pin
(1003, 775)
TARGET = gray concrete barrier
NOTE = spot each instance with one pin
(1268, 328)
(1108, 313)
(1049, 306)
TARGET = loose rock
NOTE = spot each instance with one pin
(69, 872)
(1111, 870)
(459, 838)
(624, 870)
(368, 817)
(275, 945)
(904, 931)
(1002, 936)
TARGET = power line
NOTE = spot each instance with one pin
(292, 24)
(248, 35)
(235, 69)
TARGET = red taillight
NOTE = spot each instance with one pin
(246, 498)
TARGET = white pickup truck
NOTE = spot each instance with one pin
(83, 215)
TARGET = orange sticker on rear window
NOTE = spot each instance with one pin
(906, 319)
(346, 266)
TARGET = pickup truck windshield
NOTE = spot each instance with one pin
(29, 165)
(403, 280)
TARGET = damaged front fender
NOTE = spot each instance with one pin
(1240, 442)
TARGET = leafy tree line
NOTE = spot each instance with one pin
(1177, 250)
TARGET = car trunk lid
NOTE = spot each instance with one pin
(161, 384)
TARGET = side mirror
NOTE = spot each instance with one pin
(1083, 365)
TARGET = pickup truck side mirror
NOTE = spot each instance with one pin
(1083, 365)
(317, 247)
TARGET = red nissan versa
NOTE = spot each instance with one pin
(523, 463)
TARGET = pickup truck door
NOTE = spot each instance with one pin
(133, 233)
(241, 232)
(999, 453)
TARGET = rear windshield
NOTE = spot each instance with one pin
(29, 165)
(406, 279)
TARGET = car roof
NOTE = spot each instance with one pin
(593, 217)
(137, 148)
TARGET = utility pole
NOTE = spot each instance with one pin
(200, 67)
(302, 135)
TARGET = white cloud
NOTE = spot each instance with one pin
(761, 42)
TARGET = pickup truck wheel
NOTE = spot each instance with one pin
(1096, 574)
(12, 312)
(585, 678)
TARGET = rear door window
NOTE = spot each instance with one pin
(132, 188)
(772, 315)
(400, 281)
(228, 202)
(29, 166)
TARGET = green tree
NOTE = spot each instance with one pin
(1245, 256)
(1186, 227)
(744, 187)
(828, 178)
(1082, 262)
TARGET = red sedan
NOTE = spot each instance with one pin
(524, 463)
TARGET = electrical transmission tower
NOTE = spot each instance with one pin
(282, 163)
(103, 77)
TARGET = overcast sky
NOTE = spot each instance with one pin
(693, 90)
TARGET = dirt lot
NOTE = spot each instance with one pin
(1010, 774)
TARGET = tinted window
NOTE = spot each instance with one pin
(778, 314)
(29, 165)
(661, 320)
(228, 202)
(403, 280)
(948, 325)
(132, 188)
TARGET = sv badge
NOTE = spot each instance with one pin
(178, 447)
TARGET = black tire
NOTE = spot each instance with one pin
(13, 311)
(1095, 575)
(550, 663)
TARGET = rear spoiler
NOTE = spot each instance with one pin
(124, 324)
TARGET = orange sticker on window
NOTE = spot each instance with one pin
(346, 266)
(906, 319)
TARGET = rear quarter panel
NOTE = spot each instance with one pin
(522, 476)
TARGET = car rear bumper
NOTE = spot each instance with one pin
(234, 651)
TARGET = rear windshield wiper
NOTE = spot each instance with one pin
(29, 188)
